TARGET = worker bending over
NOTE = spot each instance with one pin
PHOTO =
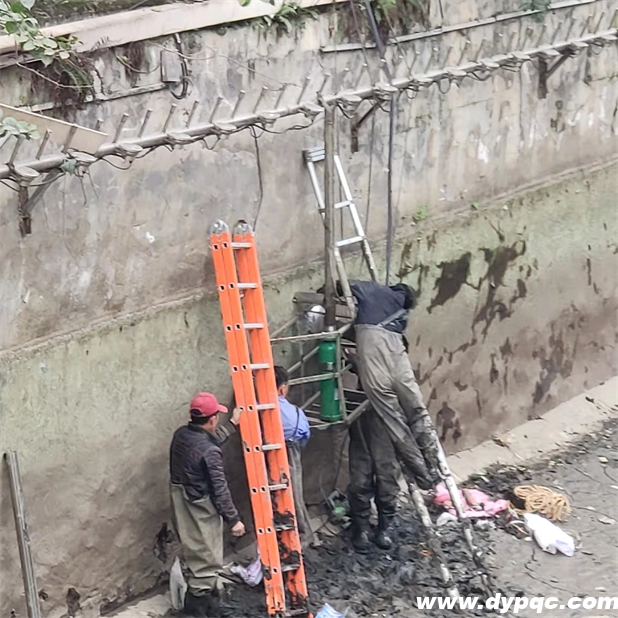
(201, 502)
(296, 432)
(387, 377)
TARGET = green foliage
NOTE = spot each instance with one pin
(420, 214)
(16, 19)
(536, 5)
(288, 16)
(66, 70)
(18, 128)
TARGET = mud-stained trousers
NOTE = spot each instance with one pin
(388, 380)
(373, 471)
(200, 531)
(296, 472)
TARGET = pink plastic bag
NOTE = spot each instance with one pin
(475, 502)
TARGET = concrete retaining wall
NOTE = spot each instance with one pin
(506, 222)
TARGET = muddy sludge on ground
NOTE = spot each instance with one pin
(380, 583)
(384, 584)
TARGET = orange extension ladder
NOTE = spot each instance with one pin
(253, 377)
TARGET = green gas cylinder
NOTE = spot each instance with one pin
(329, 400)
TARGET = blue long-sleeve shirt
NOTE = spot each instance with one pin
(295, 423)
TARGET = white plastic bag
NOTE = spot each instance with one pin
(178, 586)
(251, 575)
(549, 537)
(328, 612)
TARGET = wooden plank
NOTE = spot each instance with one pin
(81, 138)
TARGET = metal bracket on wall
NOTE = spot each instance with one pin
(357, 122)
(28, 202)
(548, 62)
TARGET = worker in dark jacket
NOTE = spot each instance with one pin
(201, 502)
(387, 377)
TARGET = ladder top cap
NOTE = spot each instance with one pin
(219, 227)
(242, 227)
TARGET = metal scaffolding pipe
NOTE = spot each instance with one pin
(23, 536)
(311, 107)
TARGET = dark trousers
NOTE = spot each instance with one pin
(373, 470)
(388, 380)
(296, 472)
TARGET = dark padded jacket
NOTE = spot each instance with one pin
(196, 463)
(376, 304)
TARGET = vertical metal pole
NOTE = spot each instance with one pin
(392, 122)
(329, 212)
(23, 537)
(389, 204)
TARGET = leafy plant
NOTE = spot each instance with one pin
(289, 15)
(16, 19)
(536, 5)
(420, 214)
(17, 128)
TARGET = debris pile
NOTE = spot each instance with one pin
(379, 583)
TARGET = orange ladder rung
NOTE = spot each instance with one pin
(253, 377)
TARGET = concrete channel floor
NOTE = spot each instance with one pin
(574, 450)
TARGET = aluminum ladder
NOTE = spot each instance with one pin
(251, 366)
(313, 156)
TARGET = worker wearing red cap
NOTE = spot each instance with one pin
(202, 502)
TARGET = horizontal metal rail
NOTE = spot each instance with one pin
(312, 107)
(296, 366)
(442, 30)
(326, 335)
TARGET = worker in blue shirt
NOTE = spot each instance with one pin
(297, 433)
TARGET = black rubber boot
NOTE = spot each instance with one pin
(360, 539)
(382, 538)
(217, 609)
(197, 606)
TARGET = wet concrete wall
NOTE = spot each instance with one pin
(506, 223)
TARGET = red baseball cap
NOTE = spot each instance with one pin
(204, 405)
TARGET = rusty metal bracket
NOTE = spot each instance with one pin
(28, 202)
(357, 122)
(546, 70)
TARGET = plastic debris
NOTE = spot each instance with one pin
(328, 612)
(550, 537)
(178, 586)
(476, 503)
(251, 575)
(445, 518)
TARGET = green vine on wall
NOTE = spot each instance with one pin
(16, 20)
(537, 5)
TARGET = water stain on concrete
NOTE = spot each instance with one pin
(448, 422)
(462, 348)
(494, 374)
(505, 349)
(453, 275)
(498, 261)
(557, 363)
